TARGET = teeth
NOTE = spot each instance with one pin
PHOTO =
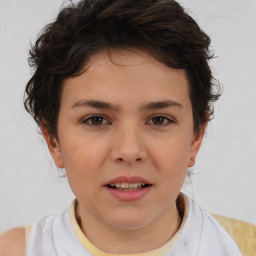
(129, 186)
(133, 185)
(117, 185)
(124, 185)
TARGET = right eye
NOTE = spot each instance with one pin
(95, 121)
(161, 120)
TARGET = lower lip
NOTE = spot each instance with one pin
(128, 195)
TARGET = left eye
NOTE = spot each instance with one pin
(95, 120)
(161, 120)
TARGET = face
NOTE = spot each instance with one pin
(125, 138)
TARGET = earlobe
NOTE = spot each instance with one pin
(53, 146)
(196, 144)
(191, 162)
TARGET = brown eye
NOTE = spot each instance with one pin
(95, 121)
(160, 120)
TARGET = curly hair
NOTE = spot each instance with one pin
(161, 28)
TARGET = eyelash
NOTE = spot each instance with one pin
(86, 121)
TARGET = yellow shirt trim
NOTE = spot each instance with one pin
(95, 251)
(27, 231)
(242, 232)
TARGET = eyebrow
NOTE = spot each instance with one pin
(160, 104)
(105, 105)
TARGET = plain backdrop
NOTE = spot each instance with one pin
(225, 172)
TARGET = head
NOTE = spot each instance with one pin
(160, 28)
(134, 55)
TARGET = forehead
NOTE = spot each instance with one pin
(125, 75)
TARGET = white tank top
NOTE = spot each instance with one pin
(199, 235)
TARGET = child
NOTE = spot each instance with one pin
(122, 92)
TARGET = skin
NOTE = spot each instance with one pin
(12, 242)
(157, 144)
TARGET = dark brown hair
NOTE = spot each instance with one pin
(162, 28)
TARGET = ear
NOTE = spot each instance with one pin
(53, 146)
(196, 143)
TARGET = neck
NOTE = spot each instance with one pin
(129, 241)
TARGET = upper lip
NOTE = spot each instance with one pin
(124, 179)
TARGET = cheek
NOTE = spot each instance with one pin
(83, 156)
(171, 154)
(171, 164)
(83, 163)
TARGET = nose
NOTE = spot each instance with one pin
(128, 146)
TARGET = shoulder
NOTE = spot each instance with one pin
(213, 231)
(12, 242)
(242, 232)
(213, 236)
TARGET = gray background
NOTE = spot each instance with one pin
(225, 172)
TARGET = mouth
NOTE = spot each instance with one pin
(124, 186)
(127, 189)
